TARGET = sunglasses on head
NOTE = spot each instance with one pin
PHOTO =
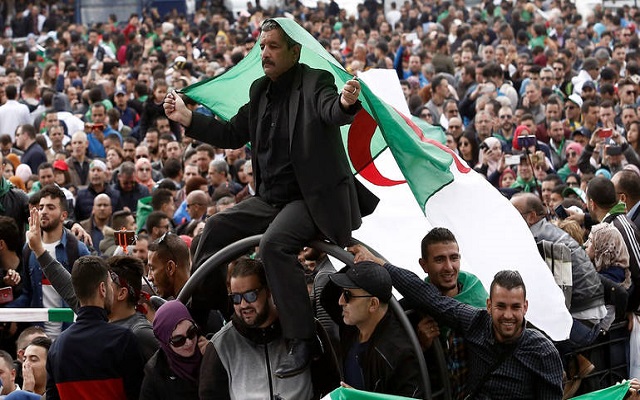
(162, 240)
(346, 293)
(250, 296)
(180, 340)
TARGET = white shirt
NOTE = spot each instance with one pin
(12, 115)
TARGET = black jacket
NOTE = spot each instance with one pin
(161, 383)
(389, 364)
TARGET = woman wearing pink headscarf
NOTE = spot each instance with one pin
(143, 173)
(572, 153)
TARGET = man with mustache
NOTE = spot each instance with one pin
(305, 188)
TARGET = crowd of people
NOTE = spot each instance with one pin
(95, 139)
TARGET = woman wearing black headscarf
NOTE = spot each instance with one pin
(172, 373)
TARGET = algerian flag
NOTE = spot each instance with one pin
(417, 167)
(354, 394)
(616, 392)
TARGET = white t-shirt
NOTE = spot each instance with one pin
(51, 298)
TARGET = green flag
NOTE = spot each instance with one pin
(616, 392)
(412, 142)
(354, 394)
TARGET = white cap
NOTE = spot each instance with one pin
(576, 99)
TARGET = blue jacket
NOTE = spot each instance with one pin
(32, 277)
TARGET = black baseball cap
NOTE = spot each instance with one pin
(365, 275)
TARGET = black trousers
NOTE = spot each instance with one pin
(286, 230)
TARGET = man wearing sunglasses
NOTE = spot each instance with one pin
(375, 351)
(252, 345)
(305, 187)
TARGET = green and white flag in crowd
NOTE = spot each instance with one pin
(36, 315)
(615, 392)
(405, 163)
(353, 394)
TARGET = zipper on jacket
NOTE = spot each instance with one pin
(266, 356)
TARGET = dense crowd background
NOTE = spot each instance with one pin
(535, 96)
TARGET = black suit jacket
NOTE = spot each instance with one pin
(336, 200)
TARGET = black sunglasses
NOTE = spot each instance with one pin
(123, 283)
(249, 296)
(348, 295)
(162, 240)
(180, 340)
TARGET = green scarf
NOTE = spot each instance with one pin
(528, 187)
(619, 208)
(472, 292)
(5, 187)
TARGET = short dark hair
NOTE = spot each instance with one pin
(29, 130)
(87, 274)
(45, 165)
(602, 192)
(130, 139)
(10, 233)
(41, 341)
(509, 280)
(11, 91)
(436, 235)
(55, 192)
(171, 168)
(154, 218)
(160, 197)
(208, 148)
(131, 270)
(171, 247)
(629, 184)
(119, 218)
(7, 359)
(245, 266)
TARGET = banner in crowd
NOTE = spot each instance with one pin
(416, 167)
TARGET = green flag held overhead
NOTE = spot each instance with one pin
(413, 143)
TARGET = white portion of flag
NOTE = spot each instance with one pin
(491, 233)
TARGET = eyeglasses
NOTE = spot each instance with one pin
(139, 156)
(180, 340)
(144, 169)
(573, 183)
(162, 240)
(633, 92)
(249, 296)
(572, 154)
(506, 116)
(123, 283)
(348, 295)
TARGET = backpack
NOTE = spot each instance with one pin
(558, 259)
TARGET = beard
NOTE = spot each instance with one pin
(51, 225)
(260, 318)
